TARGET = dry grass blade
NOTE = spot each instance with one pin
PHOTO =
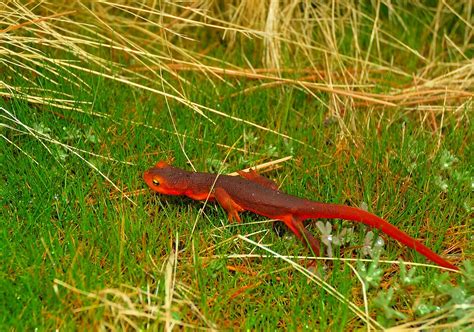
(272, 163)
(170, 272)
(364, 293)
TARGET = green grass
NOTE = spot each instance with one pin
(61, 222)
(76, 254)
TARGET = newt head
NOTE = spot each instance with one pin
(166, 179)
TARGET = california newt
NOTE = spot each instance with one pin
(255, 193)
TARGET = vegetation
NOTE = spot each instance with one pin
(369, 104)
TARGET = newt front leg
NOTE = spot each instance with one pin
(228, 204)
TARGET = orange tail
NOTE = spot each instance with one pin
(333, 211)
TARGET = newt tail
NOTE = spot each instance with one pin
(336, 211)
(255, 193)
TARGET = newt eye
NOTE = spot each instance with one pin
(156, 182)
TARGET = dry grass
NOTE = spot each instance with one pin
(157, 40)
(128, 307)
(436, 321)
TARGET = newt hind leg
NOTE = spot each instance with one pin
(294, 224)
(228, 204)
(297, 227)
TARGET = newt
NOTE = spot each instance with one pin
(260, 195)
